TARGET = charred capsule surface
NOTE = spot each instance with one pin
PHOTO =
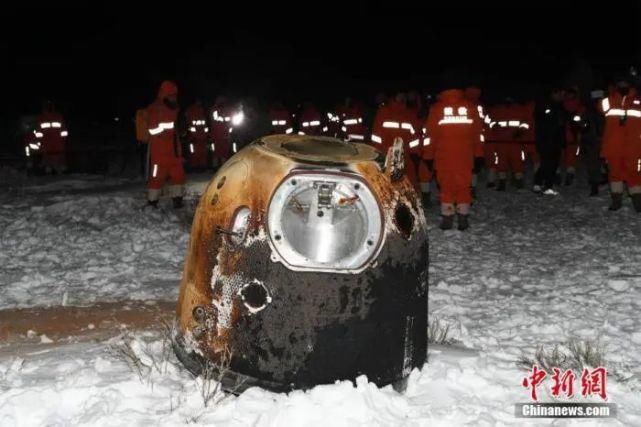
(307, 264)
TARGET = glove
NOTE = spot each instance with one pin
(478, 164)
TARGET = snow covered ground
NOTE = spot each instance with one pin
(79, 240)
(531, 271)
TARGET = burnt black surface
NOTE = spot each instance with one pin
(321, 327)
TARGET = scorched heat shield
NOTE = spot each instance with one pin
(307, 264)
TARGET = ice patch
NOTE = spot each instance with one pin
(619, 285)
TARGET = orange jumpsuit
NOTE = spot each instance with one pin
(280, 119)
(51, 126)
(423, 173)
(394, 120)
(352, 125)
(220, 128)
(506, 135)
(165, 155)
(310, 121)
(621, 145)
(454, 127)
(197, 131)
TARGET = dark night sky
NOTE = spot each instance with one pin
(109, 59)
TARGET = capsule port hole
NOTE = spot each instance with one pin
(404, 220)
(199, 313)
(255, 296)
(221, 182)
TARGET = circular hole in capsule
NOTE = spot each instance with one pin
(404, 220)
(221, 182)
(199, 313)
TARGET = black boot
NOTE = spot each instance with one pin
(153, 203)
(617, 201)
(636, 202)
(569, 178)
(502, 185)
(178, 202)
(594, 190)
(490, 184)
(518, 183)
(463, 221)
(447, 222)
(427, 201)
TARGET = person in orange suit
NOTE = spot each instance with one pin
(51, 125)
(621, 141)
(352, 119)
(310, 120)
(394, 120)
(507, 133)
(197, 136)
(454, 127)
(220, 127)
(473, 94)
(281, 119)
(424, 174)
(166, 160)
(574, 108)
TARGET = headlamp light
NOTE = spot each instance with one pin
(238, 118)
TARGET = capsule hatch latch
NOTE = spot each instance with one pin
(325, 192)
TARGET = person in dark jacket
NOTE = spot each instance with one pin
(550, 122)
(591, 131)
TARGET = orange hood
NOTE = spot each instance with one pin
(167, 88)
(451, 95)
